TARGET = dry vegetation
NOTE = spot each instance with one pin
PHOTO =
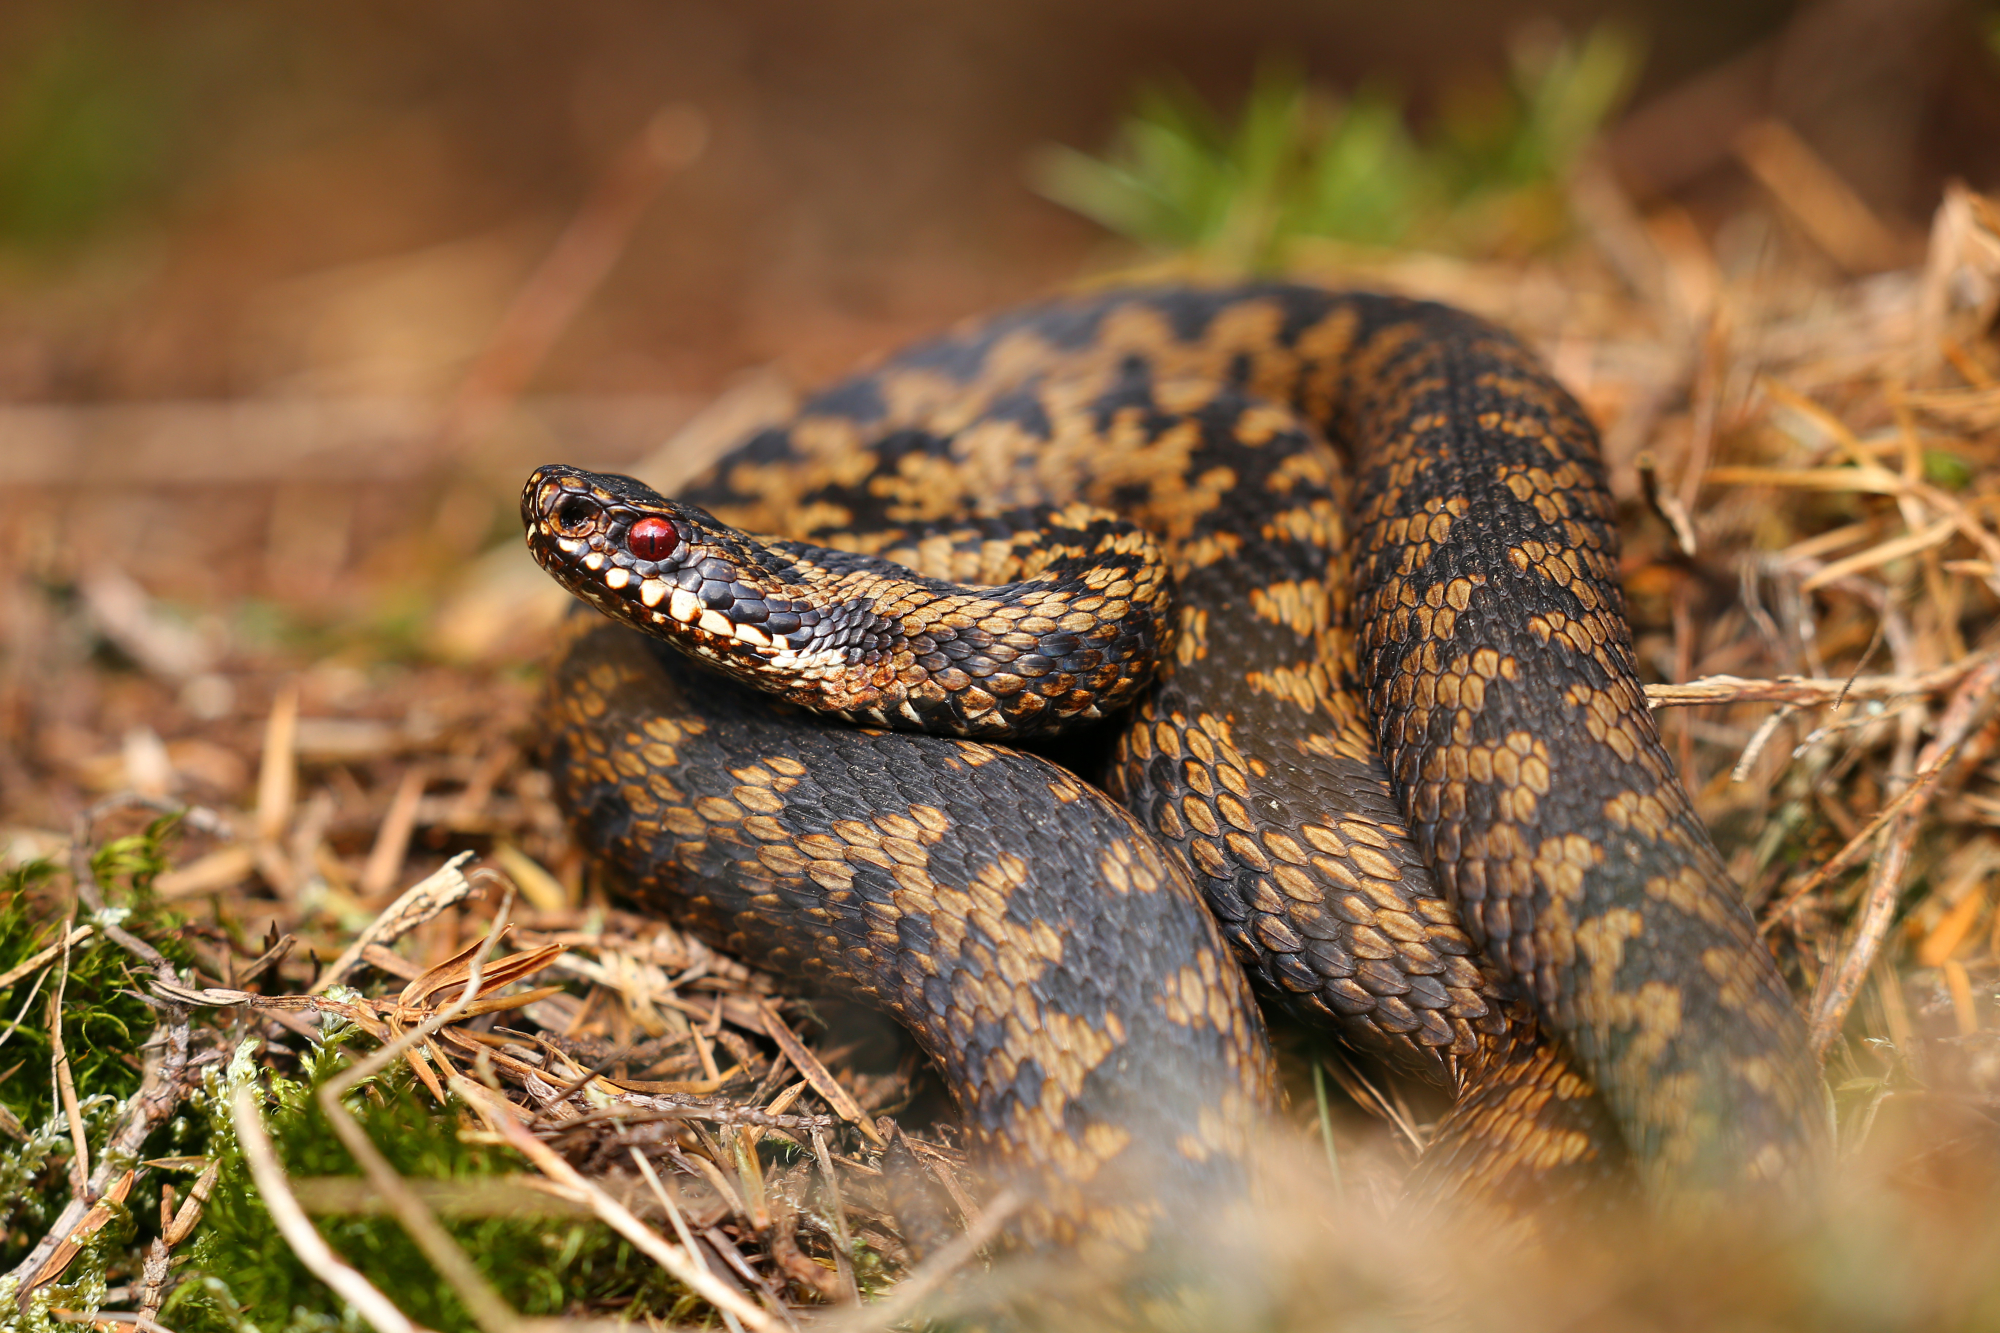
(1802, 415)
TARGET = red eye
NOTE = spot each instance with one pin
(652, 539)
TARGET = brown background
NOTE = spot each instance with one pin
(220, 199)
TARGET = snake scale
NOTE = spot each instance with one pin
(1395, 765)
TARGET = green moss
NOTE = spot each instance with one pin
(104, 1020)
(243, 1276)
(104, 1025)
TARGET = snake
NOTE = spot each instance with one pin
(1332, 580)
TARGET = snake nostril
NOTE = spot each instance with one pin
(574, 513)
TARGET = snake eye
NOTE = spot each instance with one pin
(574, 514)
(652, 539)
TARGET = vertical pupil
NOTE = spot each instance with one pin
(651, 538)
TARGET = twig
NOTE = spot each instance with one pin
(680, 1226)
(72, 1241)
(487, 1309)
(311, 1249)
(667, 1203)
(161, 1089)
(516, 1195)
(418, 904)
(127, 615)
(843, 1250)
(277, 789)
(71, 937)
(92, 893)
(19, 1021)
(161, 1086)
(500, 1114)
(392, 839)
(645, 1109)
(1668, 508)
(138, 1319)
(783, 1239)
(1814, 196)
(1809, 690)
(1371, 1099)
(1758, 740)
(940, 1167)
(703, 1165)
(173, 1230)
(1896, 548)
(1856, 849)
(1826, 731)
(732, 1258)
(267, 960)
(1968, 706)
(1711, 373)
(561, 1095)
(823, 1082)
(79, 1162)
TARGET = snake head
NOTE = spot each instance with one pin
(665, 568)
(606, 538)
(855, 634)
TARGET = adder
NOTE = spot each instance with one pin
(1395, 765)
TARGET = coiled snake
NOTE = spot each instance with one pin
(1397, 747)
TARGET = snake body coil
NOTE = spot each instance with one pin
(1398, 744)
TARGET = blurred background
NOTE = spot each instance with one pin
(207, 199)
